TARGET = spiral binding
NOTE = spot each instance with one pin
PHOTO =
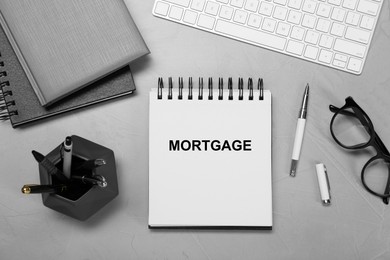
(5, 112)
(240, 86)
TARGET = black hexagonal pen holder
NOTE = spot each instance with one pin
(81, 202)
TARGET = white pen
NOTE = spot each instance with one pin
(299, 133)
(323, 182)
(67, 157)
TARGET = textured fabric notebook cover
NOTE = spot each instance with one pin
(65, 45)
(26, 103)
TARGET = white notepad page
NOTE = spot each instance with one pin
(210, 188)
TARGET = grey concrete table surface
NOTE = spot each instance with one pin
(355, 226)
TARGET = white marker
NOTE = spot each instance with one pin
(323, 182)
(67, 157)
(299, 133)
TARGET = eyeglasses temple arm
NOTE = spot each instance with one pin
(381, 144)
(335, 109)
(387, 189)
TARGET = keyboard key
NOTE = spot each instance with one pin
(340, 57)
(240, 16)
(283, 29)
(338, 63)
(324, 10)
(311, 52)
(176, 13)
(350, 4)
(295, 47)
(223, 1)
(323, 25)
(161, 8)
(297, 33)
(237, 3)
(184, 3)
(334, 2)
(326, 41)
(367, 22)
(280, 13)
(309, 6)
(309, 21)
(352, 18)
(294, 17)
(312, 37)
(350, 48)
(252, 5)
(325, 56)
(254, 20)
(280, 2)
(251, 35)
(226, 12)
(358, 35)
(198, 5)
(269, 25)
(296, 4)
(265, 8)
(212, 8)
(206, 21)
(190, 17)
(354, 64)
(338, 14)
(337, 29)
(368, 7)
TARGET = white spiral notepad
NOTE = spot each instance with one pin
(210, 156)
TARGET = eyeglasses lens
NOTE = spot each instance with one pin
(376, 175)
(349, 130)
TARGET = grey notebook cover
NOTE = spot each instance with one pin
(19, 103)
(65, 45)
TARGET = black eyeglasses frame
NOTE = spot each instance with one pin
(374, 141)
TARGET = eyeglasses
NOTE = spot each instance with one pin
(352, 129)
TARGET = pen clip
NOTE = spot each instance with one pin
(327, 178)
(62, 150)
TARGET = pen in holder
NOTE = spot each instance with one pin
(92, 182)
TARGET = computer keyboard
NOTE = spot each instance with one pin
(334, 33)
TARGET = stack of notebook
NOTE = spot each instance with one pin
(57, 56)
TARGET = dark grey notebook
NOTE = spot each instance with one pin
(63, 46)
(20, 105)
